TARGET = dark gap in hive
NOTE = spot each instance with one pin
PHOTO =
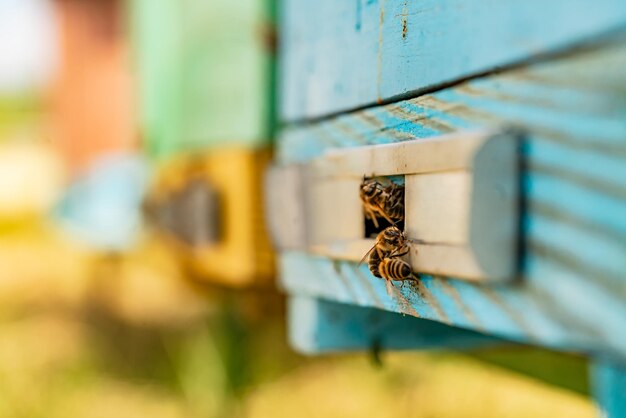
(370, 229)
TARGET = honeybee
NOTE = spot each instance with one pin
(389, 240)
(382, 199)
(395, 269)
(384, 258)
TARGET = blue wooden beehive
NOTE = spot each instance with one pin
(507, 121)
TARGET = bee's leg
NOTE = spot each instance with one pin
(381, 255)
(387, 218)
(395, 254)
(389, 287)
(372, 215)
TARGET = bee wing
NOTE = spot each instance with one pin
(367, 254)
(389, 287)
(381, 186)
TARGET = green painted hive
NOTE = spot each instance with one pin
(204, 71)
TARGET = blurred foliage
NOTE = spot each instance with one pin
(31, 179)
(568, 371)
(21, 117)
(87, 335)
(22, 111)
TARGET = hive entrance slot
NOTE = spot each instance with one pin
(382, 196)
(371, 231)
(190, 214)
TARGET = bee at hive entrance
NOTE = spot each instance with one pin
(383, 203)
(384, 259)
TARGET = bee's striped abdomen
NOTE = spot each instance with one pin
(395, 269)
(373, 263)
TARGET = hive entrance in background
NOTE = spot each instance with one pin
(192, 214)
(383, 204)
(208, 208)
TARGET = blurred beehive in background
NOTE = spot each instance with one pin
(93, 128)
(206, 118)
(93, 124)
(93, 105)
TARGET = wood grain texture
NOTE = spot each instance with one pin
(432, 155)
(340, 55)
(573, 290)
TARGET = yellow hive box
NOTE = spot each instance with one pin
(210, 208)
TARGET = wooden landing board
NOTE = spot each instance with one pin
(573, 291)
(341, 55)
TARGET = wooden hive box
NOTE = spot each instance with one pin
(524, 241)
(204, 74)
(205, 71)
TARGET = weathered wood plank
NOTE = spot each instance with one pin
(514, 313)
(340, 55)
(609, 388)
(573, 290)
(443, 153)
(318, 326)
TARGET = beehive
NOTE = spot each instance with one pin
(209, 208)
(205, 69)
